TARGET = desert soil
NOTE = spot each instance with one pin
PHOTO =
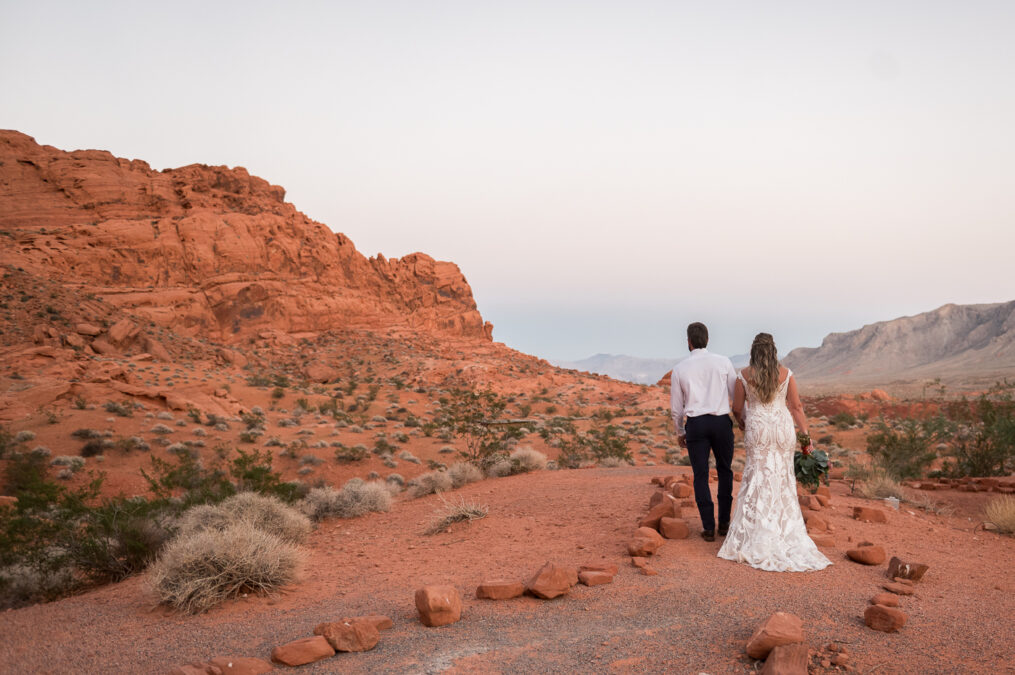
(694, 616)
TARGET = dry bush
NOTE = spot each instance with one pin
(878, 484)
(455, 512)
(462, 473)
(23, 585)
(612, 462)
(198, 571)
(499, 468)
(924, 501)
(429, 483)
(356, 498)
(525, 459)
(1001, 512)
(261, 511)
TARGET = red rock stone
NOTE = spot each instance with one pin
(645, 542)
(885, 619)
(194, 669)
(379, 621)
(609, 568)
(823, 540)
(302, 651)
(664, 509)
(656, 498)
(809, 502)
(779, 629)
(823, 500)
(737, 476)
(500, 590)
(241, 665)
(595, 578)
(551, 581)
(88, 329)
(867, 555)
(639, 561)
(348, 635)
(840, 659)
(913, 571)
(823, 491)
(869, 515)
(815, 523)
(438, 605)
(886, 599)
(674, 528)
(649, 571)
(898, 589)
(788, 659)
(682, 490)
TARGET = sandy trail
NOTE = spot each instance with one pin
(693, 617)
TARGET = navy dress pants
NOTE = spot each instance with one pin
(715, 433)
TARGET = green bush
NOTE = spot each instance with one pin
(905, 452)
(843, 420)
(983, 440)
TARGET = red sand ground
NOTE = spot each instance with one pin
(695, 616)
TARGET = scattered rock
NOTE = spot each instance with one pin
(646, 541)
(438, 605)
(241, 665)
(823, 540)
(552, 581)
(639, 561)
(302, 651)
(779, 629)
(867, 555)
(682, 490)
(88, 329)
(840, 659)
(666, 508)
(500, 590)
(379, 621)
(869, 515)
(823, 500)
(609, 568)
(349, 635)
(913, 571)
(815, 523)
(649, 571)
(595, 578)
(788, 659)
(674, 528)
(885, 619)
(886, 599)
(898, 589)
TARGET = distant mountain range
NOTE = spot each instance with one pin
(968, 344)
(633, 368)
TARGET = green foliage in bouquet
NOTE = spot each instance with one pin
(809, 464)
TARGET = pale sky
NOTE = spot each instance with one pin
(602, 172)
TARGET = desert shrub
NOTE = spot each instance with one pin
(162, 429)
(408, 457)
(1001, 512)
(474, 417)
(879, 484)
(395, 479)
(22, 585)
(612, 462)
(843, 420)
(263, 512)
(455, 512)
(429, 483)
(86, 434)
(983, 440)
(344, 455)
(499, 468)
(356, 498)
(462, 473)
(524, 460)
(201, 570)
(905, 452)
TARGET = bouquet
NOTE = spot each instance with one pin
(810, 464)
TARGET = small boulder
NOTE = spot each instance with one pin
(898, 589)
(349, 635)
(681, 490)
(609, 568)
(645, 542)
(241, 665)
(779, 629)
(867, 555)
(885, 619)
(788, 659)
(815, 523)
(886, 599)
(809, 502)
(639, 561)
(674, 528)
(379, 621)
(823, 540)
(88, 329)
(552, 581)
(303, 651)
(648, 570)
(912, 571)
(500, 590)
(664, 509)
(438, 605)
(869, 515)
(823, 500)
(595, 578)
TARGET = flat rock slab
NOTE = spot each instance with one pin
(898, 589)
(869, 515)
(885, 619)
(303, 651)
(595, 578)
(500, 590)
(867, 555)
(788, 659)
(552, 581)
(781, 628)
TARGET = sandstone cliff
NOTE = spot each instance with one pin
(969, 343)
(207, 250)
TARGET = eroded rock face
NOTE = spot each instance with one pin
(209, 250)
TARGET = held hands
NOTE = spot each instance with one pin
(682, 441)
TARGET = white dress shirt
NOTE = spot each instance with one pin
(701, 384)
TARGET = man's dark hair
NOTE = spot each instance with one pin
(697, 335)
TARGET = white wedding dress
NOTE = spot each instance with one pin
(767, 530)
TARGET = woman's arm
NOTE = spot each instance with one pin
(796, 408)
(739, 394)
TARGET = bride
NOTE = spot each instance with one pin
(767, 530)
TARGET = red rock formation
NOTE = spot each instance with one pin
(209, 251)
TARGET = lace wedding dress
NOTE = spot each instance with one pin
(767, 530)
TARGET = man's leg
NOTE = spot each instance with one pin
(722, 446)
(697, 450)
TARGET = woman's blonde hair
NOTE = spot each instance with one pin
(764, 367)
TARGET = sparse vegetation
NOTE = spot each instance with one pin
(429, 483)
(356, 498)
(455, 512)
(1001, 512)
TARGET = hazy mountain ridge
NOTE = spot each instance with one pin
(972, 343)
(633, 368)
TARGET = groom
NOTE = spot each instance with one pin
(701, 387)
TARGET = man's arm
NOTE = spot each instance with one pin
(677, 406)
(731, 379)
